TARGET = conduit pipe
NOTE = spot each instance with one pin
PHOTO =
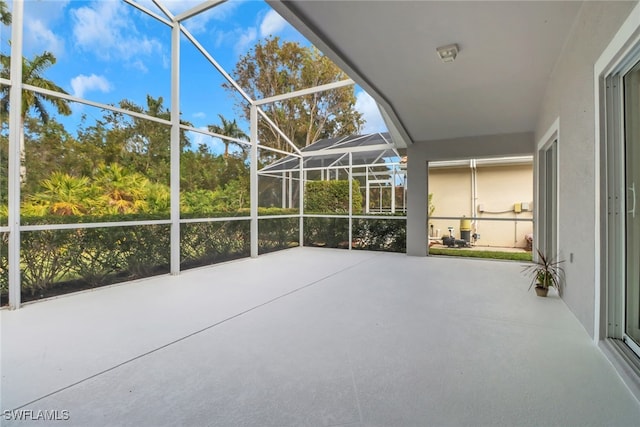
(473, 165)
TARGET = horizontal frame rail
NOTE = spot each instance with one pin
(480, 218)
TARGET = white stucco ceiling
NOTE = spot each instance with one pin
(495, 86)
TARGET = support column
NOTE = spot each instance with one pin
(350, 200)
(290, 204)
(284, 190)
(15, 133)
(393, 191)
(417, 200)
(366, 195)
(253, 181)
(301, 201)
(175, 149)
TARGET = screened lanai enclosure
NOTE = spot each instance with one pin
(100, 185)
(372, 160)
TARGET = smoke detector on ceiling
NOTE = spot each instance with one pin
(448, 53)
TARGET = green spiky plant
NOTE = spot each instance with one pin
(546, 272)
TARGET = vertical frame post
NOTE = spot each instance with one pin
(350, 200)
(175, 149)
(301, 202)
(253, 181)
(15, 134)
(284, 189)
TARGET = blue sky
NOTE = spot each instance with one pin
(108, 51)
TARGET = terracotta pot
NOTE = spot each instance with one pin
(541, 292)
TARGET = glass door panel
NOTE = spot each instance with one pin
(550, 200)
(632, 186)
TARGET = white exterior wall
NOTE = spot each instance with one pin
(498, 188)
(420, 153)
(570, 98)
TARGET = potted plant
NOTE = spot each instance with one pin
(545, 272)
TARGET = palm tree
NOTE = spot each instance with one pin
(230, 129)
(32, 74)
(5, 15)
(64, 194)
(125, 191)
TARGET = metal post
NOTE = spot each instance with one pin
(15, 133)
(284, 190)
(350, 201)
(290, 204)
(253, 181)
(301, 201)
(393, 191)
(175, 149)
(366, 196)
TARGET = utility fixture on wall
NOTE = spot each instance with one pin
(448, 53)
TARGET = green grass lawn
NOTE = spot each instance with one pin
(472, 253)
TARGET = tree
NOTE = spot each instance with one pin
(32, 74)
(274, 68)
(146, 143)
(63, 194)
(5, 15)
(125, 191)
(230, 129)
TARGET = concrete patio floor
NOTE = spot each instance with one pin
(312, 337)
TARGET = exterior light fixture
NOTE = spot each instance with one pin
(448, 53)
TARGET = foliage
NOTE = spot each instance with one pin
(545, 272)
(32, 74)
(278, 233)
(206, 243)
(230, 129)
(326, 232)
(274, 67)
(46, 257)
(432, 207)
(332, 197)
(65, 195)
(388, 235)
(5, 15)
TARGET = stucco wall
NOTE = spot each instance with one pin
(570, 97)
(419, 154)
(498, 189)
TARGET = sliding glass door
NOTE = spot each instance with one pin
(631, 82)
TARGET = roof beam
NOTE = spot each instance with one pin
(204, 6)
(365, 148)
(303, 92)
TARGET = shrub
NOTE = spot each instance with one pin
(326, 232)
(278, 233)
(206, 243)
(380, 234)
(332, 197)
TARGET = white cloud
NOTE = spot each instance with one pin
(198, 23)
(105, 29)
(38, 35)
(366, 105)
(272, 24)
(82, 84)
(245, 39)
(139, 65)
(45, 11)
(199, 115)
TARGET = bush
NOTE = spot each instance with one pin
(388, 235)
(332, 197)
(206, 243)
(326, 232)
(278, 233)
